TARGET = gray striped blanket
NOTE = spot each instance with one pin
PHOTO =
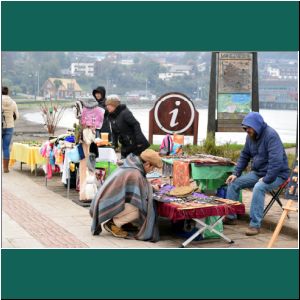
(128, 184)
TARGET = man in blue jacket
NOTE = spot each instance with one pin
(269, 168)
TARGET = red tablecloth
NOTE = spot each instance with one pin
(172, 212)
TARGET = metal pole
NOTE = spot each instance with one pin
(69, 179)
(211, 125)
(255, 91)
(38, 82)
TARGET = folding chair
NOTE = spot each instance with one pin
(275, 196)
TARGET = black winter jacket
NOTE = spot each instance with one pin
(127, 130)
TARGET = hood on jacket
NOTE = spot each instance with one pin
(89, 103)
(255, 121)
(7, 102)
(134, 162)
(101, 90)
(118, 109)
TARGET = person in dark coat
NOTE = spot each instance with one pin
(269, 168)
(99, 94)
(125, 128)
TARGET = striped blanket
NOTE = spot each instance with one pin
(128, 184)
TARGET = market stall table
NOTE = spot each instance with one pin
(107, 155)
(209, 173)
(26, 154)
(176, 211)
(210, 178)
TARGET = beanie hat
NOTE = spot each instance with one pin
(113, 100)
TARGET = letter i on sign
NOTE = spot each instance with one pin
(174, 113)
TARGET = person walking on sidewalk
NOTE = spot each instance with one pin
(125, 197)
(9, 115)
(269, 168)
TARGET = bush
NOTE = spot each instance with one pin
(209, 145)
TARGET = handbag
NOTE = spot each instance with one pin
(74, 155)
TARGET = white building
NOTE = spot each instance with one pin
(181, 69)
(86, 69)
(127, 62)
(273, 72)
(176, 71)
(169, 75)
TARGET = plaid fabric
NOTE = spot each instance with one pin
(127, 184)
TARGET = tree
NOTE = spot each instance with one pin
(57, 83)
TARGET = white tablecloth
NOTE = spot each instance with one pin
(107, 154)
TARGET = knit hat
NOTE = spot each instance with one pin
(113, 100)
(152, 157)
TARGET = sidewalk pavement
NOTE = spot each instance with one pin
(36, 216)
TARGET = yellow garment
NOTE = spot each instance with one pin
(72, 167)
(59, 158)
(27, 154)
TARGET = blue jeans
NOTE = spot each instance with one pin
(7, 134)
(258, 197)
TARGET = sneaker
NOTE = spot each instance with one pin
(252, 231)
(115, 230)
(130, 227)
(228, 221)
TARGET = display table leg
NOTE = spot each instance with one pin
(184, 244)
(69, 179)
(208, 227)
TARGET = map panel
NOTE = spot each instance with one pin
(234, 103)
(235, 76)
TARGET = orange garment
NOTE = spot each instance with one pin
(181, 173)
(179, 139)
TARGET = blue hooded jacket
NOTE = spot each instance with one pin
(268, 156)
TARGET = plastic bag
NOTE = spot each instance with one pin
(219, 227)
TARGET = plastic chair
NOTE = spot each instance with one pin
(275, 196)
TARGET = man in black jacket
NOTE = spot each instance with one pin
(125, 128)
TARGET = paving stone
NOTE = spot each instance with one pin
(55, 221)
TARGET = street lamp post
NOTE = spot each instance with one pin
(31, 76)
(38, 82)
